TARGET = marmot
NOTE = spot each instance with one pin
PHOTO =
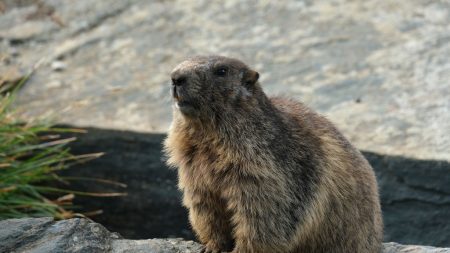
(265, 175)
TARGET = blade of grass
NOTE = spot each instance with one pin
(80, 193)
(96, 180)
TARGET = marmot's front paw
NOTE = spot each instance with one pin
(215, 247)
(211, 247)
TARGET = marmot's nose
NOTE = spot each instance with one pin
(179, 80)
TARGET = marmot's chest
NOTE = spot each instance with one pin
(215, 167)
(207, 167)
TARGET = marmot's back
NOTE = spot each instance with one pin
(265, 175)
(346, 198)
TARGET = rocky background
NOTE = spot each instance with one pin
(379, 69)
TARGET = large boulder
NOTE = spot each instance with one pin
(379, 70)
(43, 235)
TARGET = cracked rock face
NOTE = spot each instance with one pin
(81, 235)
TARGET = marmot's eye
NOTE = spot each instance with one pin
(222, 71)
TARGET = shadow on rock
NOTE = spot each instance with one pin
(415, 198)
(415, 194)
(152, 207)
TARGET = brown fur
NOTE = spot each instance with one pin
(264, 175)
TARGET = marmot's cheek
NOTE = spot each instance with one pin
(242, 93)
(187, 109)
(245, 93)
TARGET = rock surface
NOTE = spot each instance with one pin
(81, 235)
(398, 248)
(380, 70)
(45, 235)
(415, 194)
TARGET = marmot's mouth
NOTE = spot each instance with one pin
(180, 101)
(175, 93)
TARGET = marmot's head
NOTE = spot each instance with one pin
(206, 85)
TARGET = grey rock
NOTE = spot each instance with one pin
(398, 248)
(156, 246)
(58, 65)
(14, 233)
(45, 235)
(36, 235)
(392, 57)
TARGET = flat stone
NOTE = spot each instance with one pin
(81, 235)
(380, 71)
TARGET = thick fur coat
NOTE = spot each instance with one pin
(265, 175)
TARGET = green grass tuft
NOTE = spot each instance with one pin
(30, 156)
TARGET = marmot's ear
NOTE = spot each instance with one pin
(250, 77)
